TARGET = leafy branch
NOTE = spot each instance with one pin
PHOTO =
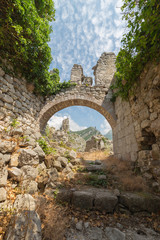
(139, 45)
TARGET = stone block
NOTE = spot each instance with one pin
(105, 201)
(28, 157)
(27, 225)
(63, 161)
(155, 152)
(7, 146)
(29, 172)
(83, 199)
(64, 195)
(3, 195)
(15, 173)
(137, 202)
(3, 177)
(57, 165)
(24, 202)
(14, 160)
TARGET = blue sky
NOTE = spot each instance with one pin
(83, 30)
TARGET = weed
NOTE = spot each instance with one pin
(14, 123)
(95, 181)
(46, 148)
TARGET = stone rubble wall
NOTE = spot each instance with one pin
(98, 143)
(137, 133)
(18, 102)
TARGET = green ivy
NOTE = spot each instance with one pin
(139, 45)
(24, 36)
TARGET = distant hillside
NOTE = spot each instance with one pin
(109, 135)
(88, 133)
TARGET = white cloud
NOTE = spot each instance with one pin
(83, 30)
(105, 127)
(56, 122)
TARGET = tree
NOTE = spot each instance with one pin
(24, 36)
(140, 43)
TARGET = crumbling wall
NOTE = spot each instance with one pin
(137, 133)
(18, 102)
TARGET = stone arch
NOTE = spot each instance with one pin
(60, 102)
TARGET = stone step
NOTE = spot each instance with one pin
(110, 201)
(93, 168)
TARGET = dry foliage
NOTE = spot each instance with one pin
(123, 171)
(54, 219)
(120, 173)
(133, 183)
(101, 155)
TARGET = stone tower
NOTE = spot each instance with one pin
(65, 125)
(78, 77)
(77, 74)
(105, 69)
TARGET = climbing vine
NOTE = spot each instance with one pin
(140, 44)
(24, 35)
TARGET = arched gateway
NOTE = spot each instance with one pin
(84, 94)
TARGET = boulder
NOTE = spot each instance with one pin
(14, 160)
(40, 153)
(75, 161)
(57, 165)
(79, 225)
(66, 170)
(49, 161)
(53, 174)
(137, 202)
(94, 233)
(17, 131)
(3, 177)
(114, 234)
(72, 154)
(15, 173)
(31, 141)
(28, 157)
(26, 225)
(70, 175)
(24, 202)
(29, 172)
(63, 161)
(30, 186)
(42, 180)
(3, 195)
(41, 168)
(7, 146)
(4, 159)
(105, 201)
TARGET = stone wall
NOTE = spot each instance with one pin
(105, 69)
(137, 133)
(18, 102)
(98, 142)
(135, 124)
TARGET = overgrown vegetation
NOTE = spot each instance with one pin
(45, 146)
(140, 44)
(24, 36)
